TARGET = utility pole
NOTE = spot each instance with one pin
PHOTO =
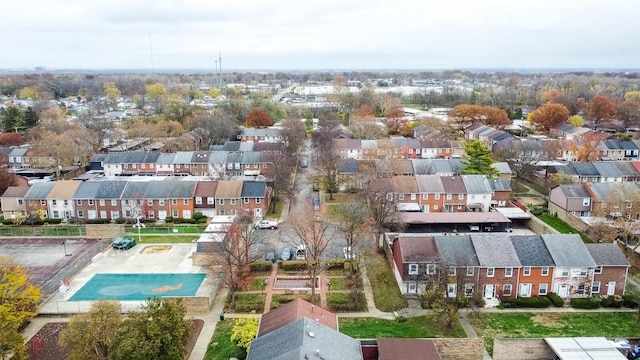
(220, 73)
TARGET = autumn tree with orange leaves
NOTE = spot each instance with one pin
(258, 119)
(601, 109)
(465, 114)
(583, 148)
(549, 115)
(395, 119)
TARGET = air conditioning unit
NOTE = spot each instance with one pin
(615, 214)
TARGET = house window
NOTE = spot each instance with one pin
(564, 272)
(161, 202)
(199, 201)
(468, 289)
(65, 202)
(91, 202)
(460, 196)
(126, 202)
(127, 213)
(469, 271)
(413, 196)
(175, 213)
(526, 271)
(80, 213)
(210, 200)
(114, 202)
(401, 197)
(451, 290)
(233, 201)
(103, 214)
(115, 214)
(581, 289)
(150, 202)
(437, 196)
(425, 196)
(258, 200)
(490, 272)
(449, 196)
(435, 207)
(545, 271)
(152, 214)
(583, 272)
(390, 197)
(506, 290)
(595, 287)
(55, 214)
(413, 269)
(245, 200)
(185, 201)
(54, 202)
(174, 201)
(598, 270)
(459, 207)
(78, 202)
(431, 269)
(452, 271)
(586, 201)
(508, 272)
(221, 201)
(102, 202)
(543, 289)
(20, 201)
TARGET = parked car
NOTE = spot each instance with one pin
(349, 254)
(287, 254)
(304, 163)
(123, 243)
(270, 256)
(301, 252)
(267, 224)
(316, 187)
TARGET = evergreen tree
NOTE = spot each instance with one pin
(30, 118)
(478, 159)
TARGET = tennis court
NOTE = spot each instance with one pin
(132, 287)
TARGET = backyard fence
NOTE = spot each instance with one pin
(44, 230)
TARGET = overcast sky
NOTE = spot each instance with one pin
(330, 34)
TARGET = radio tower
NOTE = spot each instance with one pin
(220, 73)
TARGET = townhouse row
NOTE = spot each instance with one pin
(501, 265)
(148, 198)
(397, 147)
(597, 171)
(433, 193)
(602, 199)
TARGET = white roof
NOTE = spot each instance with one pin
(513, 213)
(584, 348)
(407, 207)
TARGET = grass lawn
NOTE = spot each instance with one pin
(277, 211)
(531, 325)
(221, 347)
(338, 283)
(181, 229)
(386, 293)
(417, 327)
(561, 226)
(338, 198)
(159, 239)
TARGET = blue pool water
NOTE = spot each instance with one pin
(138, 286)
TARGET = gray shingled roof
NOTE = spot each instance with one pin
(87, 190)
(218, 157)
(603, 190)
(499, 185)
(607, 254)
(430, 184)
(495, 250)
(231, 146)
(251, 157)
(568, 250)
(575, 191)
(531, 250)
(114, 158)
(585, 169)
(165, 158)
(476, 184)
(423, 166)
(183, 157)
(111, 189)
(135, 189)
(457, 250)
(133, 157)
(159, 190)
(253, 189)
(39, 190)
(607, 169)
(304, 339)
(246, 146)
(182, 189)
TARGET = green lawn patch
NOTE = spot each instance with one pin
(160, 239)
(561, 226)
(221, 347)
(278, 300)
(417, 327)
(531, 325)
(277, 209)
(338, 284)
(246, 303)
(179, 229)
(386, 292)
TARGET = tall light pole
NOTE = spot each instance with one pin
(64, 247)
(139, 225)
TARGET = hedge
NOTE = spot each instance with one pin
(346, 302)
(586, 303)
(249, 302)
(294, 265)
(556, 300)
(332, 264)
(261, 265)
(527, 302)
(613, 301)
(629, 301)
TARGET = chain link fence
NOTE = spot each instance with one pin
(44, 230)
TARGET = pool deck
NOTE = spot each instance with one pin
(177, 260)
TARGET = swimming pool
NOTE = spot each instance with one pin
(134, 287)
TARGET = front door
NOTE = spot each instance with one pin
(489, 291)
(525, 290)
(611, 288)
(563, 291)
(412, 287)
(162, 214)
(257, 212)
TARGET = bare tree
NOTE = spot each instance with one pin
(381, 206)
(354, 224)
(313, 235)
(521, 155)
(293, 134)
(278, 172)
